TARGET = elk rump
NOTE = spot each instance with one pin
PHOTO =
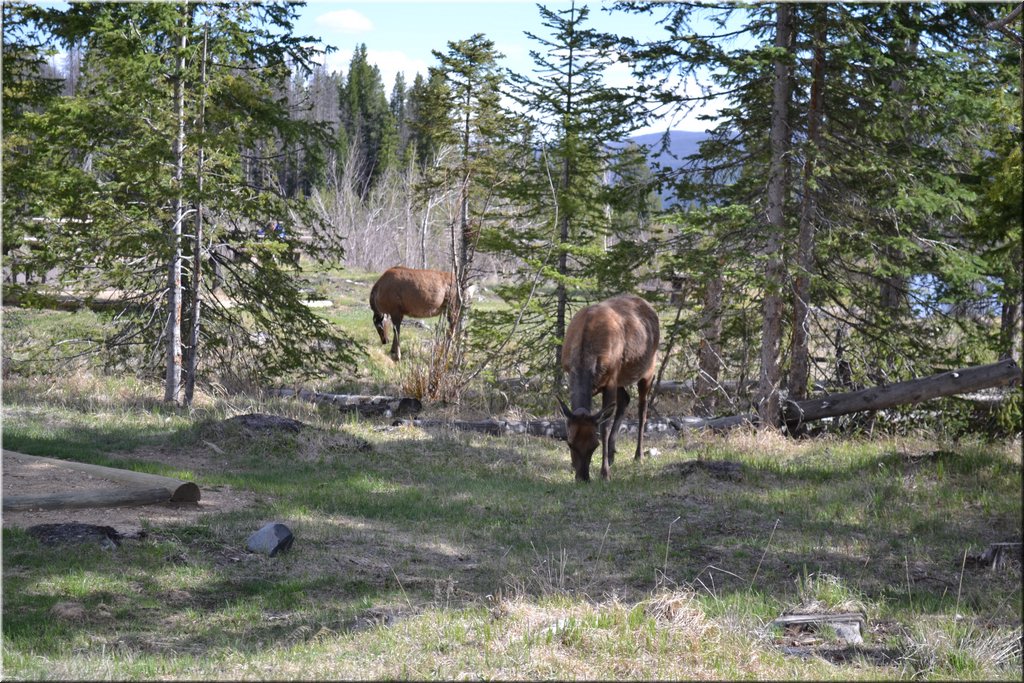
(401, 292)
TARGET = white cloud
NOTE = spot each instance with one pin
(344, 21)
(390, 62)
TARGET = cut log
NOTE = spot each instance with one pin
(176, 491)
(96, 498)
(1003, 373)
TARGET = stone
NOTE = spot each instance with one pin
(271, 539)
(76, 532)
(263, 422)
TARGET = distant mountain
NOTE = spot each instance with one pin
(682, 143)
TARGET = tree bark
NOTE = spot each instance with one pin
(709, 361)
(774, 269)
(1010, 331)
(799, 366)
(175, 490)
(77, 500)
(172, 384)
(563, 228)
(192, 359)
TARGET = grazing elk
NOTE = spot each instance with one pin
(608, 346)
(402, 291)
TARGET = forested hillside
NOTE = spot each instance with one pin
(851, 218)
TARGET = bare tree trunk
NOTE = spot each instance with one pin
(465, 229)
(775, 269)
(192, 359)
(563, 228)
(1010, 332)
(799, 368)
(172, 385)
(709, 360)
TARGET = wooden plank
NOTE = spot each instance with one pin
(177, 491)
(95, 498)
(819, 618)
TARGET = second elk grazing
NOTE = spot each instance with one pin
(401, 292)
(608, 346)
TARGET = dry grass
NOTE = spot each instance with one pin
(437, 555)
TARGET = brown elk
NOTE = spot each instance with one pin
(401, 292)
(607, 347)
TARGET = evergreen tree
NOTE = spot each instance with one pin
(431, 117)
(883, 105)
(398, 105)
(563, 200)
(471, 73)
(370, 126)
(127, 187)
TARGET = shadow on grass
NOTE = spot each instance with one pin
(456, 518)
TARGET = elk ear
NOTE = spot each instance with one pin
(565, 408)
(605, 414)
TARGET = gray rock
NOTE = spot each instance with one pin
(270, 540)
(76, 532)
(849, 631)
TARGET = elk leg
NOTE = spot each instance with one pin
(622, 400)
(643, 388)
(396, 322)
(607, 434)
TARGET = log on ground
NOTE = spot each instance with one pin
(1003, 373)
(77, 500)
(176, 491)
(367, 406)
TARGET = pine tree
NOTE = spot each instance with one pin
(885, 112)
(561, 195)
(370, 126)
(473, 79)
(122, 204)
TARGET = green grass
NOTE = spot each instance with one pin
(439, 555)
(436, 554)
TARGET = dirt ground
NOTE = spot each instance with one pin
(24, 478)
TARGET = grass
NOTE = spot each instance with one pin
(442, 555)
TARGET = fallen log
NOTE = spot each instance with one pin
(174, 490)
(556, 428)
(551, 428)
(76, 500)
(1003, 373)
(367, 406)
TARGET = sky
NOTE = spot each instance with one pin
(400, 35)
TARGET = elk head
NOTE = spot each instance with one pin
(583, 433)
(382, 326)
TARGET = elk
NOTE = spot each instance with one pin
(607, 347)
(402, 291)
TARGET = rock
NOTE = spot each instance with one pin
(849, 631)
(76, 532)
(266, 422)
(270, 540)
